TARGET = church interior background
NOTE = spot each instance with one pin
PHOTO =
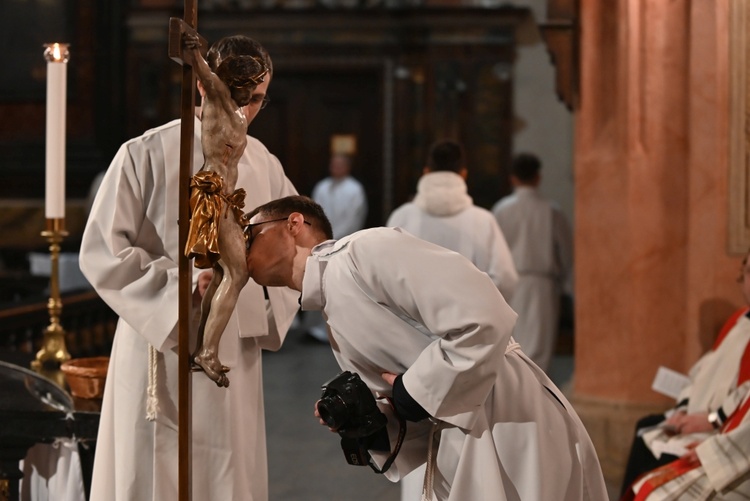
(636, 109)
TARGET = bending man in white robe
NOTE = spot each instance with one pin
(129, 254)
(406, 311)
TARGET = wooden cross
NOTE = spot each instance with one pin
(187, 133)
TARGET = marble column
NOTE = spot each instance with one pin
(654, 279)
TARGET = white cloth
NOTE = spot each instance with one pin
(443, 213)
(540, 241)
(53, 472)
(344, 202)
(129, 254)
(399, 304)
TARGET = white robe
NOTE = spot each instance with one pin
(444, 214)
(344, 202)
(399, 304)
(129, 254)
(541, 244)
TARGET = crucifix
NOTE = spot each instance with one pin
(214, 236)
(187, 111)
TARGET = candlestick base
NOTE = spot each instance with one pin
(53, 352)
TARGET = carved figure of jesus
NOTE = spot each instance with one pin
(216, 239)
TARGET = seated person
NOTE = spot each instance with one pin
(715, 468)
(714, 378)
(421, 324)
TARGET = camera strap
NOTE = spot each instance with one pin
(399, 442)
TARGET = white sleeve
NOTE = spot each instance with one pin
(726, 457)
(141, 286)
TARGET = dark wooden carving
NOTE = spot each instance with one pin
(397, 79)
(561, 34)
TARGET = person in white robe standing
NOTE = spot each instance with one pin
(541, 243)
(443, 213)
(345, 202)
(342, 197)
(129, 254)
(422, 324)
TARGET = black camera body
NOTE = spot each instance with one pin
(348, 407)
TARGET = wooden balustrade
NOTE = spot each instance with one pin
(88, 322)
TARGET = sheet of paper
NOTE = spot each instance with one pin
(669, 382)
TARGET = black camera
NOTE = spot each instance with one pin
(348, 407)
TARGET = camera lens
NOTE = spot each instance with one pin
(332, 410)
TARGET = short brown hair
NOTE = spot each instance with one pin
(283, 207)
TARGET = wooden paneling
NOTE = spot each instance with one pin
(398, 79)
(561, 34)
(94, 108)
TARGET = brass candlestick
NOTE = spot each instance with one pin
(53, 352)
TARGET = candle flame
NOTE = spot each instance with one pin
(56, 52)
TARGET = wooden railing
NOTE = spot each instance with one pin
(88, 322)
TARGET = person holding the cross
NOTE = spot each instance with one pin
(129, 253)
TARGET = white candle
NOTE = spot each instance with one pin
(54, 194)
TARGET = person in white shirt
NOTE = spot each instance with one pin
(421, 324)
(345, 202)
(342, 197)
(540, 241)
(443, 213)
(129, 254)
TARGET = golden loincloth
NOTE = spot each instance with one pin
(206, 205)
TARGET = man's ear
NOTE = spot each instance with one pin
(296, 222)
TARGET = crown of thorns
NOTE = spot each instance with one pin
(246, 77)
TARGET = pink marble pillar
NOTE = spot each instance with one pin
(654, 280)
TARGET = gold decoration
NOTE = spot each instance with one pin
(206, 206)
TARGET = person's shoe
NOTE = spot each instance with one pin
(320, 335)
